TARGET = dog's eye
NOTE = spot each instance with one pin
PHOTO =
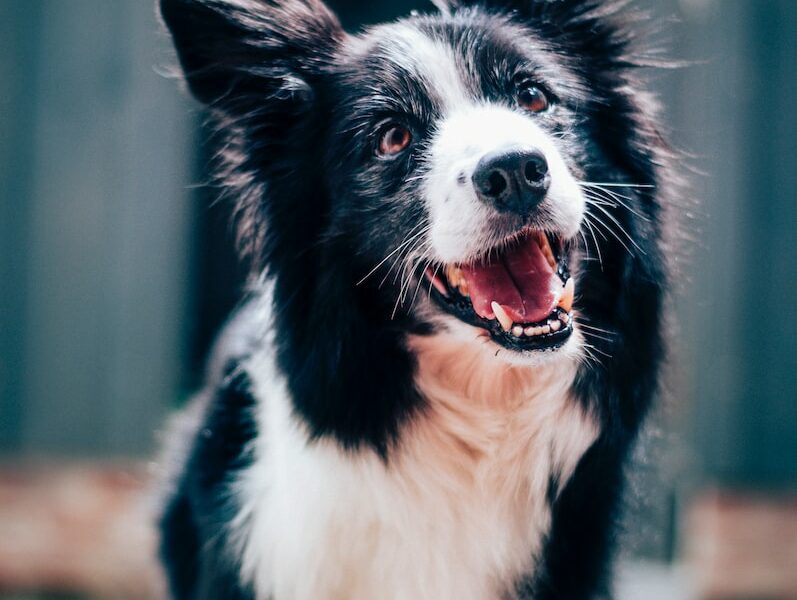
(393, 140)
(531, 98)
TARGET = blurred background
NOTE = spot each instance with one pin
(116, 268)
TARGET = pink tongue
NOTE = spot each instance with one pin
(520, 279)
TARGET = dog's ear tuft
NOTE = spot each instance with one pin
(531, 6)
(602, 30)
(231, 49)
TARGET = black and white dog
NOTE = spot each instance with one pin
(455, 225)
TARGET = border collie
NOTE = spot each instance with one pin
(454, 331)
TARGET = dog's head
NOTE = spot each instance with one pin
(486, 171)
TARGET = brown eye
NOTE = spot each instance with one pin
(533, 99)
(393, 140)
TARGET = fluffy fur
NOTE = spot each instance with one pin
(356, 439)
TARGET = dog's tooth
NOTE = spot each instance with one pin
(503, 318)
(517, 331)
(564, 318)
(455, 276)
(530, 331)
(546, 329)
(555, 325)
(566, 301)
(452, 281)
(450, 275)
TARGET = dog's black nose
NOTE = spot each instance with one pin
(512, 181)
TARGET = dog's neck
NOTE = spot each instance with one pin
(475, 374)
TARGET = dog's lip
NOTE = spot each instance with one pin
(449, 287)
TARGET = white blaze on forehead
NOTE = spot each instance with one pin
(460, 221)
(431, 61)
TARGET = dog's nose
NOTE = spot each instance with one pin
(512, 181)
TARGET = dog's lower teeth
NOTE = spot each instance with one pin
(553, 326)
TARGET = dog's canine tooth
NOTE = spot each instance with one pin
(566, 301)
(503, 318)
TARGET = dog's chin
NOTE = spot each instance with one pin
(518, 296)
(469, 339)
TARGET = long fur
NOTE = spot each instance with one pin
(354, 442)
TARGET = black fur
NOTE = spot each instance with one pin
(194, 539)
(316, 213)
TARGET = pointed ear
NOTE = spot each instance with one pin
(232, 49)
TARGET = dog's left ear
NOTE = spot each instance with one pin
(233, 51)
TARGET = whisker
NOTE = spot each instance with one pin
(598, 329)
(621, 228)
(402, 245)
(597, 221)
(401, 258)
(594, 238)
(410, 267)
(431, 282)
(597, 336)
(598, 350)
(617, 198)
(420, 281)
(615, 184)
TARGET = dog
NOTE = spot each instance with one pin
(455, 224)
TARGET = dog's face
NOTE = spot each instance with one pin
(439, 164)
(454, 160)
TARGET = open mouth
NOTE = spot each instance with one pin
(521, 293)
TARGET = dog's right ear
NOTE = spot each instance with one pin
(233, 51)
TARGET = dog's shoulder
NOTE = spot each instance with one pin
(209, 443)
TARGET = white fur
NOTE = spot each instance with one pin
(462, 225)
(459, 510)
(431, 61)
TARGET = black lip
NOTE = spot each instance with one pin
(460, 307)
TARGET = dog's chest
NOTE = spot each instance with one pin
(459, 510)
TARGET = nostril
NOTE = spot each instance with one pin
(496, 184)
(536, 169)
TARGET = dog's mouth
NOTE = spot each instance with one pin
(521, 293)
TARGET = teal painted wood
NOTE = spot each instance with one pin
(19, 26)
(736, 343)
(108, 224)
(767, 433)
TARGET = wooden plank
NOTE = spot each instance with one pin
(742, 546)
(82, 529)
